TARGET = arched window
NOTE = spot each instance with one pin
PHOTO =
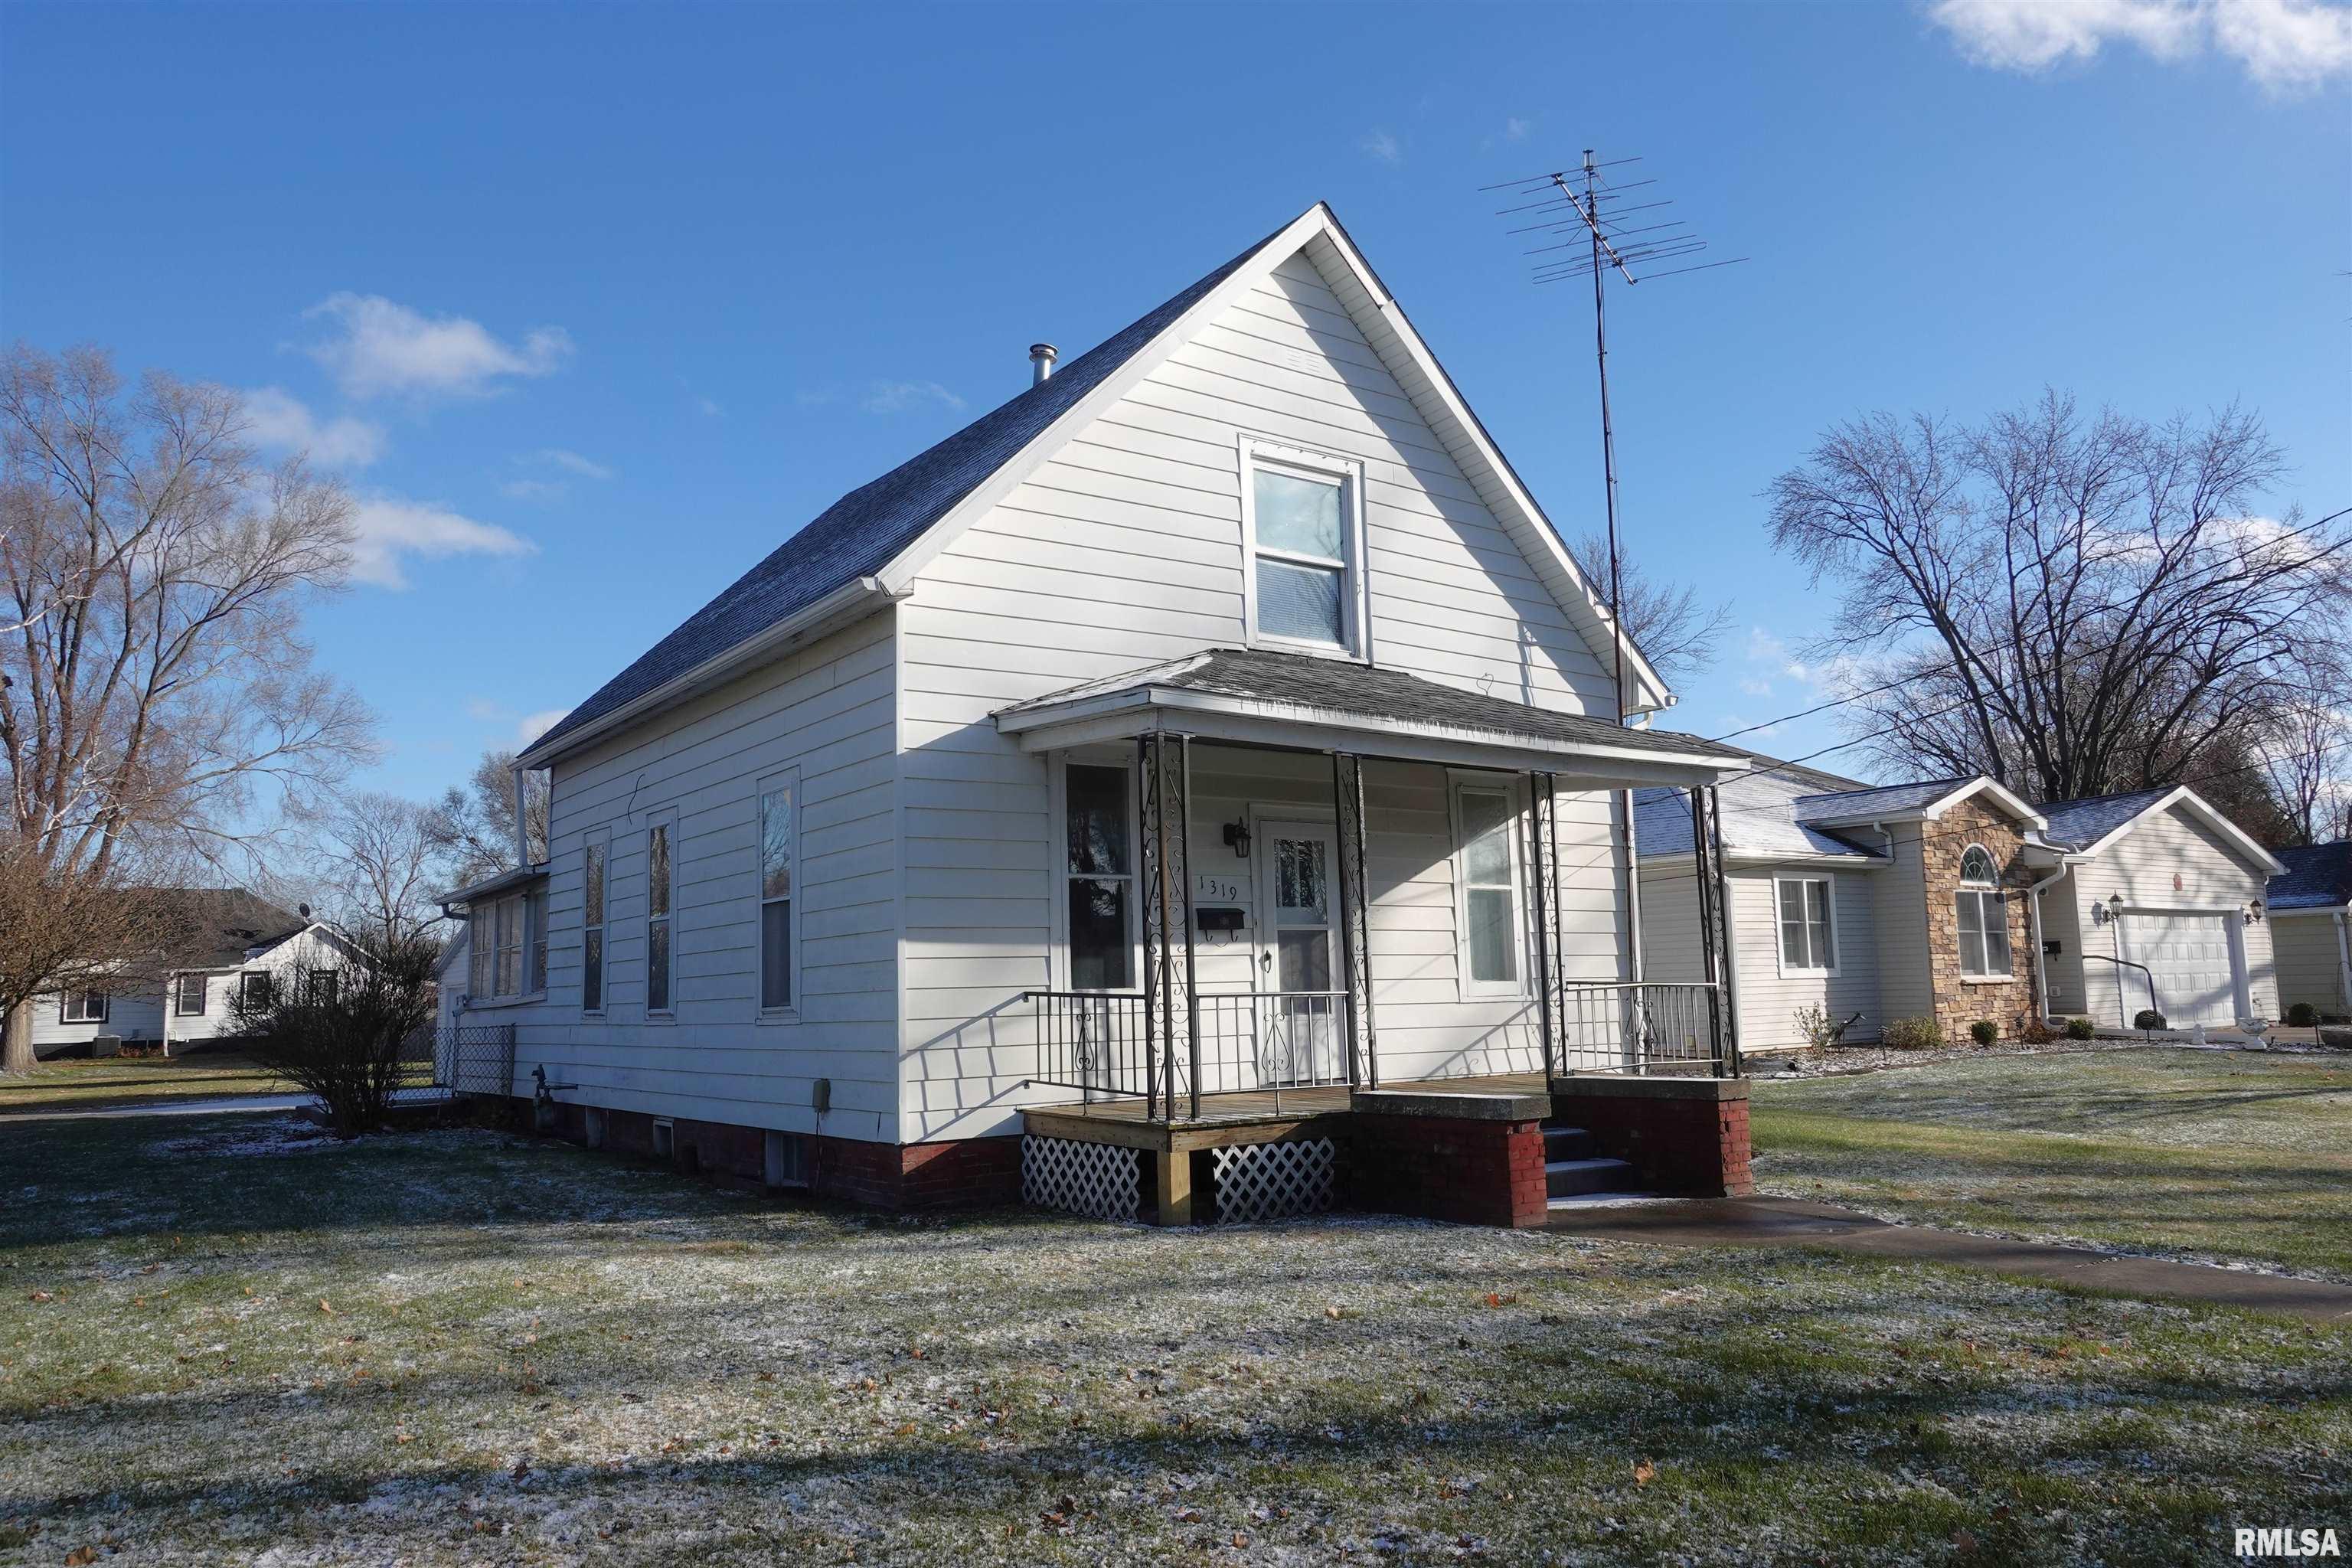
(1983, 917)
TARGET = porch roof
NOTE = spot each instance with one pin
(1253, 696)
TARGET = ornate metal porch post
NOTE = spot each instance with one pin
(1355, 925)
(1714, 928)
(1171, 1006)
(1543, 803)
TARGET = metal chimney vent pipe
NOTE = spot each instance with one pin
(1041, 361)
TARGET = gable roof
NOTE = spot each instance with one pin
(2096, 821)
(2317, 877)
(1930, 798)
(875, 536)
(215, 928)
(2078, 824)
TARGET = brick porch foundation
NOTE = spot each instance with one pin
(1686, 1137)
(1472, 1159)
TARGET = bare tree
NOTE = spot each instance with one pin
(1676, 632)
(156, 695)
(79, 933)
(377, 862)
(2075, 606)
(473, 825)
(2307, 756)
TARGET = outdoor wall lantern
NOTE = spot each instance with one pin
(2254, 914)
(1238, 838)
(2112, 910)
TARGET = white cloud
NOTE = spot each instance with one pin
(2281, 44)
(898, 396)
(1515, 128)
(534, 725)
(391, 530)
(1381, 146)
(570, 462)
(1754, 687)
(277, 419)
(384, 347)
(710, 408)
(540, 491)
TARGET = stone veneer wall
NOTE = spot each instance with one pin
(1960, 1002)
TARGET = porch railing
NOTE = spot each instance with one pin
(1651, 1026)
(1096, 1042)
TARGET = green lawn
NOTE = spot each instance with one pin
(2238, 1156)
(466, 1347)
(121, 1081)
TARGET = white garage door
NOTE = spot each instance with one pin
(2195, 968)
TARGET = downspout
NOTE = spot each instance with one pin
(2041, 954)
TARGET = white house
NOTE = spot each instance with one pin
(1219, 716)
(2311, 928)
(1955, 900)
(236, 943)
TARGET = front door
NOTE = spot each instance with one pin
(1301, 1022)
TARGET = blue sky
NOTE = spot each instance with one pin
(595, 306)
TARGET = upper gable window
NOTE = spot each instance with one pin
(1302, 521)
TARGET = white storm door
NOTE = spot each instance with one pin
(2195, 964)
(1301, 1019)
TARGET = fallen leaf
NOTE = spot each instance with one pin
(1645, 1472)
(1964, 1540)
(404, 1437)
(81, 1555)
(42, 1296)
(324, 1308)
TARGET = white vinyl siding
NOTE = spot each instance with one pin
(824, 712)
(1127, 547)
(1767, 998)
(2310, 962)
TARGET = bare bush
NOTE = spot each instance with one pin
(344, 1034)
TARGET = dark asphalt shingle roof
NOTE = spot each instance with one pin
(867, 528)
(1882, 797)
(2318, 876)
(1759, 815)
(1342, 689)
(2078, 824)
(213, 928)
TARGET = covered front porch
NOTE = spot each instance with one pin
(1351, 894)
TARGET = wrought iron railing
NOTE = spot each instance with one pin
(1098, 1043)
(1651, 1026)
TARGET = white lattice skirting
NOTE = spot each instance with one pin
(1275, 1181)
(1101, 1181)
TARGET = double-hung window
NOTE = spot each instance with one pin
(1485, 821)
(592, 924)
(1098, 877)
(507, 916)
(1983, 917)
(534, 911)
(776, 851)
(660, 892)
(256, 988)
(84, 1008)
(1302, 519)
(188, 996)
(1807, 933)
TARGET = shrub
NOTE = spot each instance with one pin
(2303, 1016)
(1820, 1031)
(2080, 1029)
(342, 1034)
(1912, 1035)
(2035, 1031)
(1984, 1031)
(2147, 1019)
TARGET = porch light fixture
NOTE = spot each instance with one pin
(2112, 910)
(2254, 914)
(1238, 838)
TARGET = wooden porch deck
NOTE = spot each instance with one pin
(1246, 1116)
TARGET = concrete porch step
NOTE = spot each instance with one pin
(1568, 1144)
(1576, 1178)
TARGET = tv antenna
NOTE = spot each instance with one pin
(1595, 212)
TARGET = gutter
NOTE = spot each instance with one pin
(2041, 954)
(851, 601)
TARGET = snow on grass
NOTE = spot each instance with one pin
(463, 1347)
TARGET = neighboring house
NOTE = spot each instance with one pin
(239, 943)
(1957, 901)
(1224, 690)
(2311, 927)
